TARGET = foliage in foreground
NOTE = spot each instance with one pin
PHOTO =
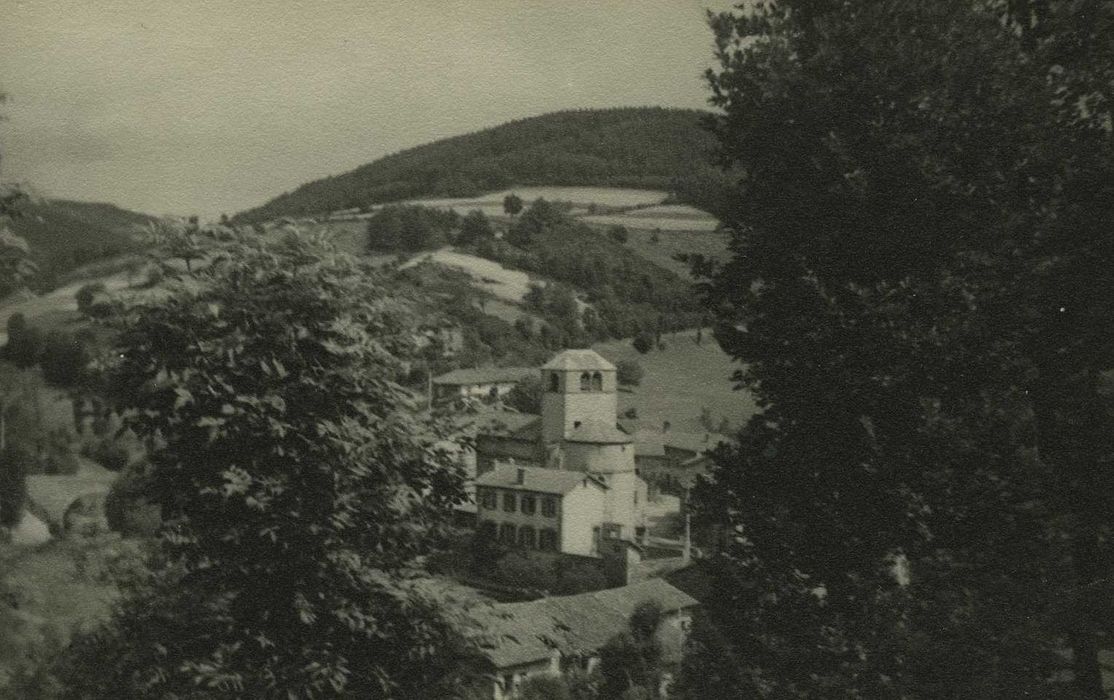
(920, 295)
(293, 485)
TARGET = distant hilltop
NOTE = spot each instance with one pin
(642, 147)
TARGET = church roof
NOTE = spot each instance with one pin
(598, 432)
(579, 360)
(537, 479)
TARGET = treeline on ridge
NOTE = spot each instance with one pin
(645, 147)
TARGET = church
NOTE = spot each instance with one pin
(564, 481)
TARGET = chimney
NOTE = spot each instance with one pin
(521, 476)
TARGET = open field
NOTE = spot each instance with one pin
(56, 309)
(680, 381)
(508, 285)
(670, 211)
(650, 223)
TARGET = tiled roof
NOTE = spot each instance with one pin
(521, 633)
(506, 423)
(537, 479)
(579, 360)
(598, 432)
(485, 375)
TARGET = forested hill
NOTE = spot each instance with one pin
(65, 234)
(644, 147)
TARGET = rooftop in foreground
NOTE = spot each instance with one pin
(521, 633)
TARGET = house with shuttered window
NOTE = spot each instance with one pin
(541, 509)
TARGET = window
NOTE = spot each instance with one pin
(547, 539)
(549, 507)
(554, 382)
(506, 533)
(526, 536)
(585, 382)
(488, 499)
(597, 381)
(636, 497)
(529, 504)
(508, 502)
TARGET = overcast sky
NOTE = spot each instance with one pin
(203, 107)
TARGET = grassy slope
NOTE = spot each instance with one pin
(680, 381)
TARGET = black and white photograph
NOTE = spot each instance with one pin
(557, 350)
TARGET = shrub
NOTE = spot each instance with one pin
(64, 359)
(576, 577)
(87, 297)
(618, 234)
(629, 373)
(520, 571)
(60, 457)
(643, 343)
(25, 342)
(109, 453)
(126, 509)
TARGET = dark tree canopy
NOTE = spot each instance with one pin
(920, 297)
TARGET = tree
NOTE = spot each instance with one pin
(475, 227)
(410, 228)
(618, 234)
(630, 664)
(64, 359)
(174, 239)
(526, 396)
(512, 204)
(15, 462)
(629, 373)
(25, 342)
(541, 216)
(16, 264)
(900, 336)
(292, 483)
(19, 405)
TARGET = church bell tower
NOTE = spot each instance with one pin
(578, 388)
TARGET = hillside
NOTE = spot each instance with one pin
(64, 235)
(644, 147)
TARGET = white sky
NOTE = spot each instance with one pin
(203, 107)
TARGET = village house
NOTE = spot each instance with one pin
(488, 383)
(543, 509)
(555, 635)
